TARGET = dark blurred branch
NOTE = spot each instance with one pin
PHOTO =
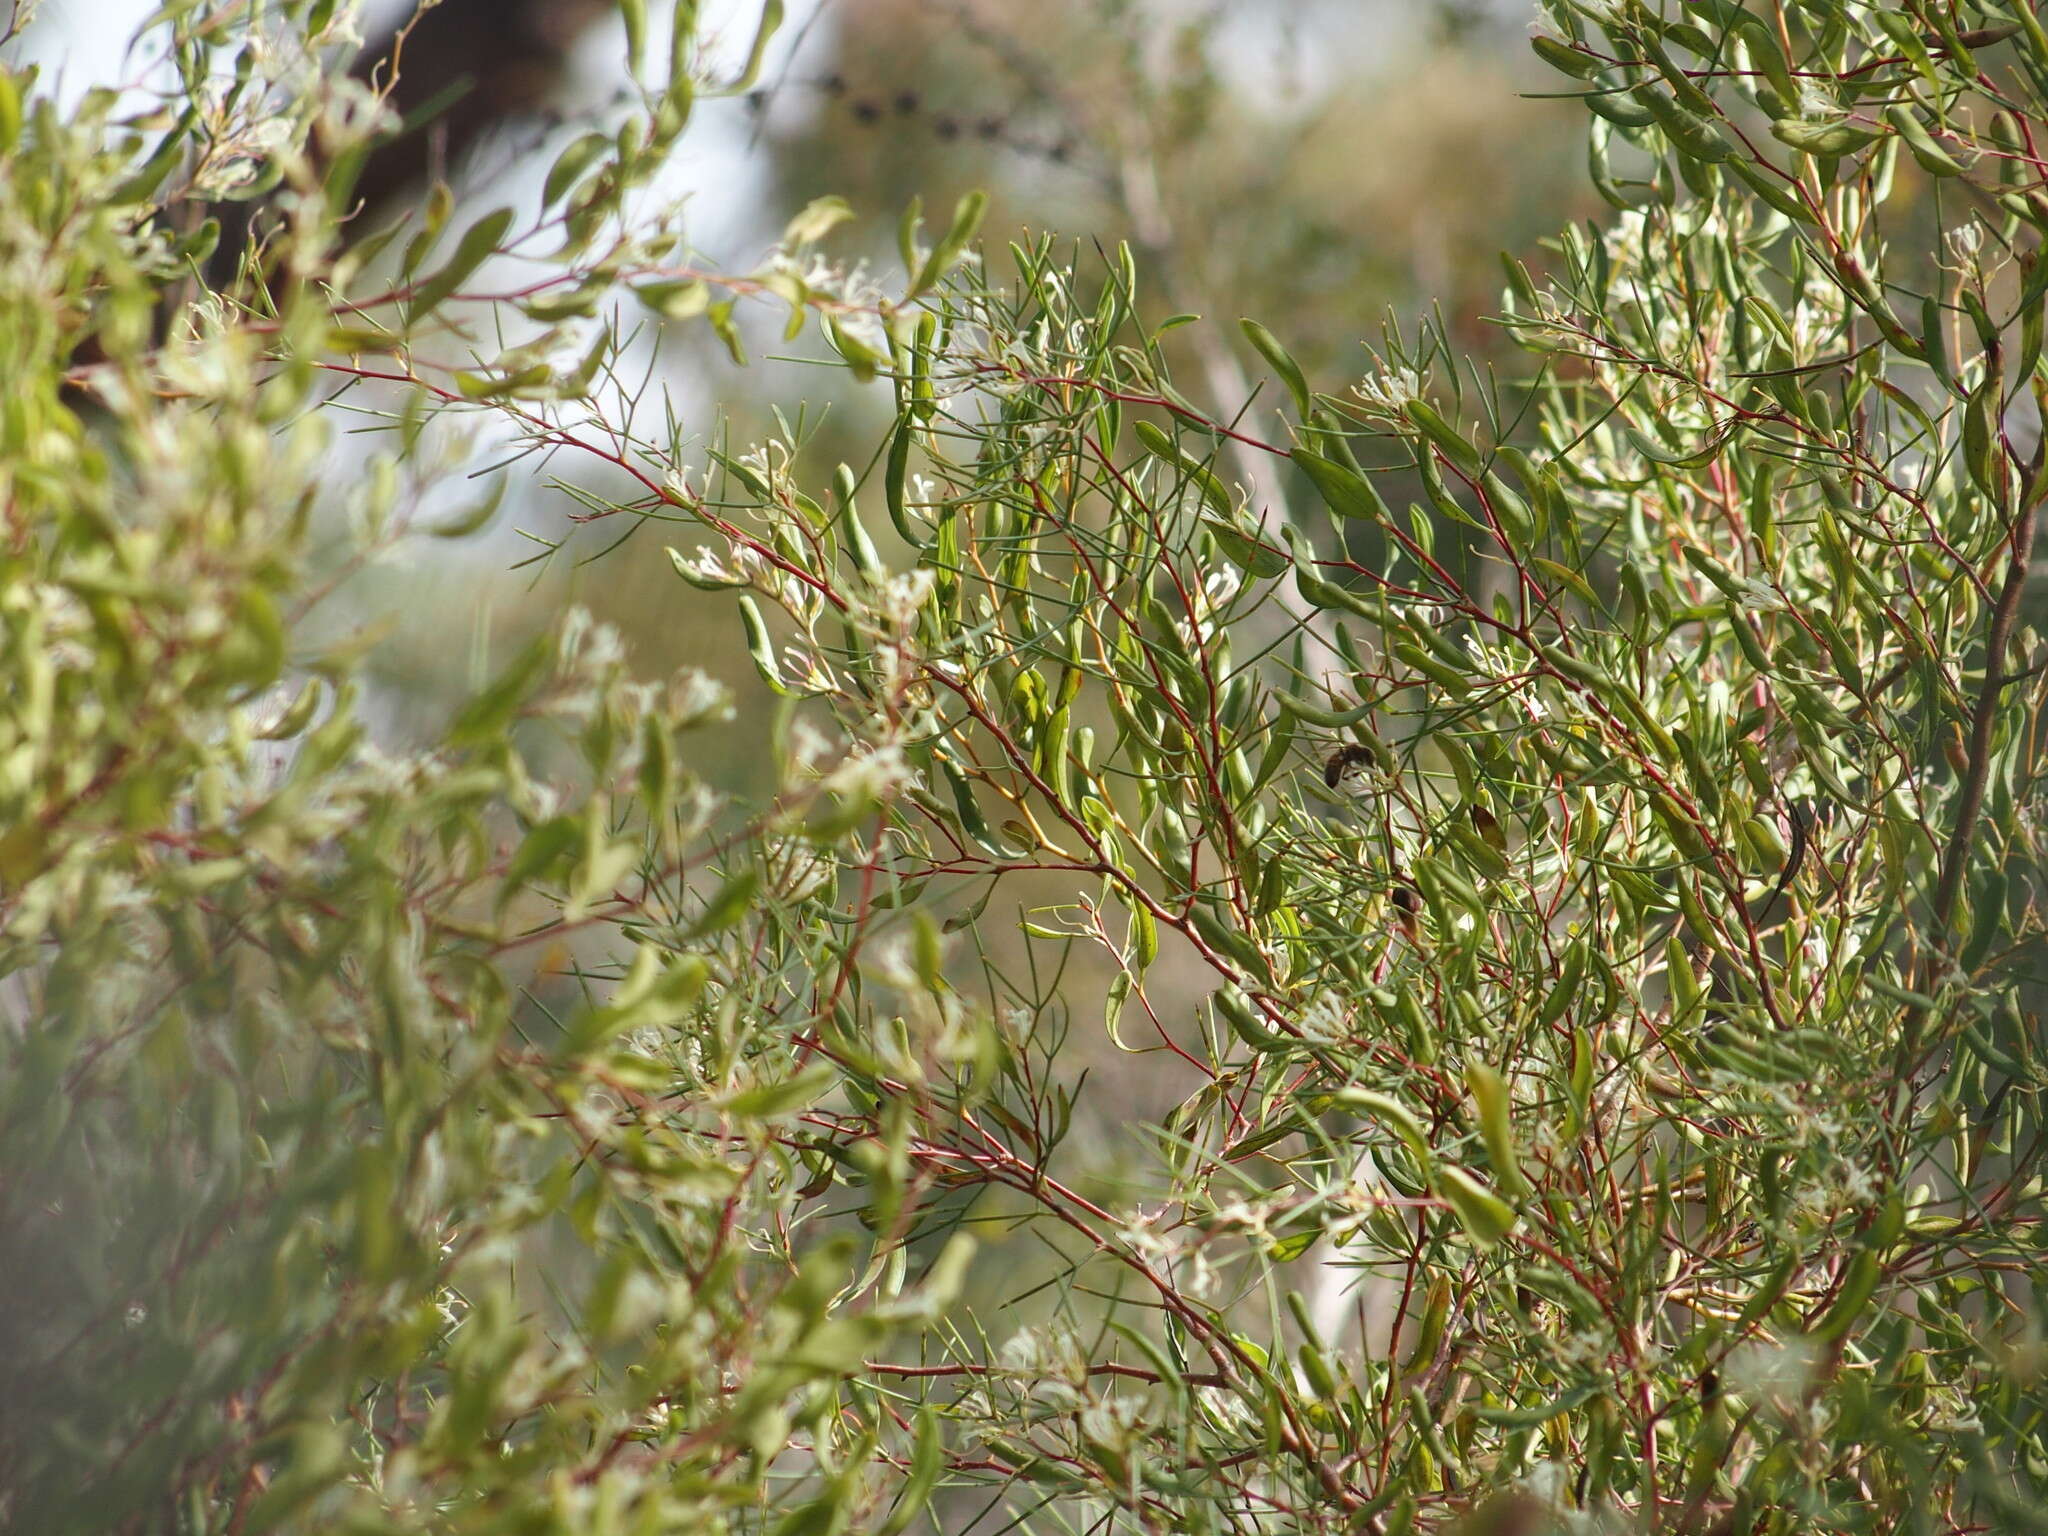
(451, 73)
(465, 66)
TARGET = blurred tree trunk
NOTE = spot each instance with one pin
(465, 66)
(454, 71)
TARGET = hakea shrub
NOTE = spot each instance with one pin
(1568, 845)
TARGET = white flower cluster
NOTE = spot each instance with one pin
(1325, 1019)
(808, 671)
(695, 697)
(809, 747)
(1210, 601)
(746, 565)
(1388, 391)
(587, 645)
(1841, 1188)
(878, 773)
(889, 614)
(1048, 1362)
(1116, 1424)
(771, 461)
(852, 291)
(900, 598)
(1818, 104)
(707, 568)
(796, 867)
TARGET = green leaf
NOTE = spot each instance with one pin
(1454, 447)
(1346, 492)
(727, 905)
(1162, 447)
(1983, 455)
(789, 1096)
(927, 952)
(487, 717)
(297, 715)
(1559, 55)
(463, 524)
(544, 849)
(1489, 1092)
(1144, 935)
(927, 1457)
(1824, 139)
(476, 246)
(764, 32)
(818, 218)
(1933, 158)
(1284, 1250)
(149, 176)
(862, 360)
(634, 14)
(759, 646)
(1539, 1413)
(1859, 1281)
(1281, 363)
(1485, 1216)
(967, 215)
(1391, 1113)
(727, 330)
(579, 156)
(10, 111)
(1429, 1328)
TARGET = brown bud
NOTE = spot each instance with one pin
(1952, 749)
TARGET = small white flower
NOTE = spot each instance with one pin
(877, 774)
(770, 460)
(1220, 586)
(1142, 1236)
(589, 645)
(1324, 1018)
(707, 568)
(1817, 104)
(808, 671)
(1049, 1362)
(1780, 1371)
(903, 597)
(695, 697)
(540, 802)
(1244, 1217)
(1760, 598)
(1389, 391)
(797, 867)
(1624, 237)
(808, 747)
(1115, 1422)
(865, 327)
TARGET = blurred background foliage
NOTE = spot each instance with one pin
(1319, 164)
(1319, 167)
(1324, 165)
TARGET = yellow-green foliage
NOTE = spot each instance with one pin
(1574, 866)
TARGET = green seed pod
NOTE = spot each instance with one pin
(1246, 1023)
